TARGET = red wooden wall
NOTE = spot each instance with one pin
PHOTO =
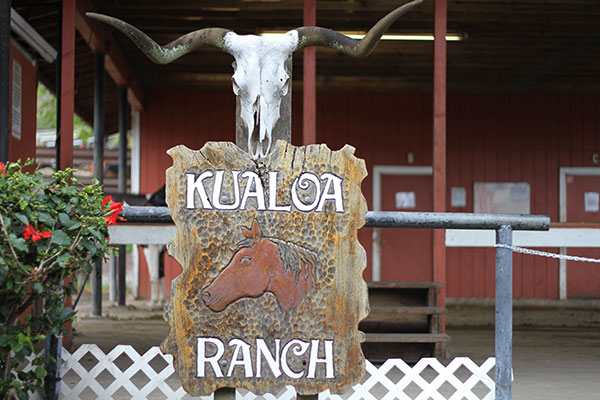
(25, 147)
(491, 137)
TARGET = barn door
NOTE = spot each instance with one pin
(402, 254)
(582, 198)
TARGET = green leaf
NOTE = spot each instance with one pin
(64, 219)
(76, 224)
(60, 238)
(17, 243)
(23, 218)
(45, 218)
(16, 347)
(40, 372)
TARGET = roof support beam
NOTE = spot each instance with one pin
(117, 66)
(98, 167)
(439, 144)
(4, 78)
(67, 84)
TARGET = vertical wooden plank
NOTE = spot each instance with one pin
(466, 170)
(577, 131)
(527, 139)
(310, 78)
(479, 114)
(67, 91)
(558, 119)
(453, 179)
(439, 144)
(589, 133)
(513, 159)
(538, 188)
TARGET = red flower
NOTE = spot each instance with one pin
(30, 232)
(112, 214)
(2, 169)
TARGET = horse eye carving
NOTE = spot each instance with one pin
(245, 260)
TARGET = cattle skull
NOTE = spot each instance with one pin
(260, 78)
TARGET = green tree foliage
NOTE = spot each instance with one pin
(46, 116)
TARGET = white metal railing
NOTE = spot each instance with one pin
(123, 373)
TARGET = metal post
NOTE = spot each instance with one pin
(98, 169)
(122, 186)
(504, 314)
(52, 365)
(4, 78)
(121, 285)
(99, 119)
(112, 278)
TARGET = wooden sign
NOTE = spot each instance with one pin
(271, 291)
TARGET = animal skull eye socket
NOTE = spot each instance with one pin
(246, 260)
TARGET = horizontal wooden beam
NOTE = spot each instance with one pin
(101, 41)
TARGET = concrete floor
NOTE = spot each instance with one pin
(556, 346)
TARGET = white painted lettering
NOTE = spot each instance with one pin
(262, 351)
(258, 193)
(302, 183)
(314, 359)
(202, 359)
(336, 196)
(273, 194)
(217, 190)
(295, 352)
(194, 185)
(298, 348)
(305, 193)
(246, 361)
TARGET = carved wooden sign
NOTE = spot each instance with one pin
(271, 291)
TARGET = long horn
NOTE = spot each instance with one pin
(316, 36)
(208, 37)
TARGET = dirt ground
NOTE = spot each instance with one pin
(556, 345)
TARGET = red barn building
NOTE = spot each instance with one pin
(506, 119)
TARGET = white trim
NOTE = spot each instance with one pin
(135, 151)
(141, 234)
(562, 207)
(378, 171)
(555, 237)
(31, 36)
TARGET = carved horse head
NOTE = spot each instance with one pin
(263, 265)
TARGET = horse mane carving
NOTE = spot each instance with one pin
(263, 264)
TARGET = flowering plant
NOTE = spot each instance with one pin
(49, 230)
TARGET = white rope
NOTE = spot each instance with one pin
(546, 254)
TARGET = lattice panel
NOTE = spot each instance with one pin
(125, 374)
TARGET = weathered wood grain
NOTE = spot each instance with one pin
(329, 263)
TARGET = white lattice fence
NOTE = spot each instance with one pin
(88, 373)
